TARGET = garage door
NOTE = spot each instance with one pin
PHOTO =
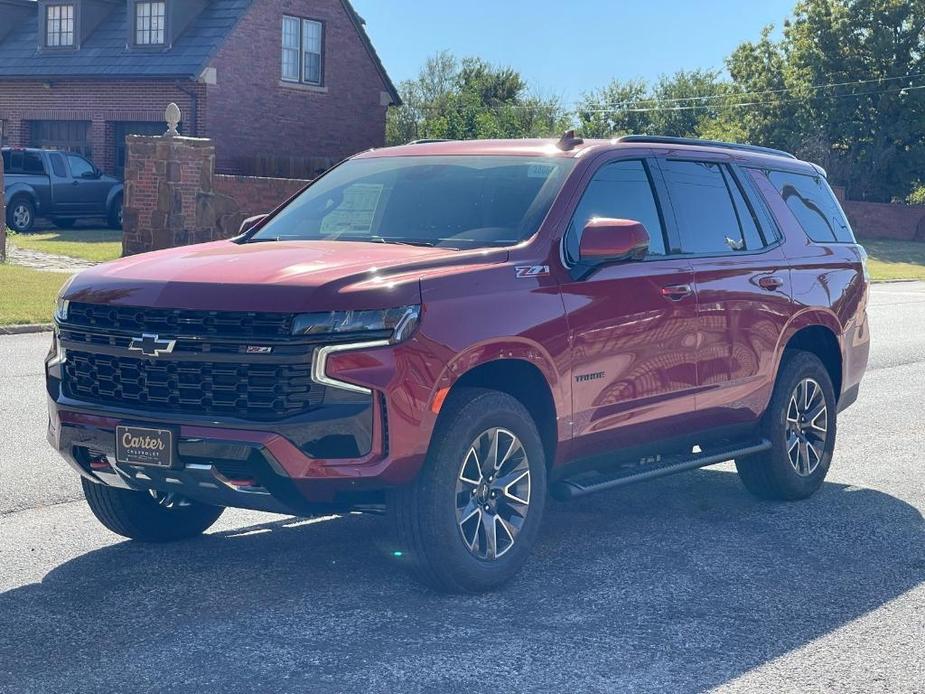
(63, 135)
(122, 129)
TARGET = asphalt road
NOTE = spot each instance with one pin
(683, 584)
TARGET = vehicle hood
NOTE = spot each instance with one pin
(290, 276)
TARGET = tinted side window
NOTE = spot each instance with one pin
(57, 165)
(748, 222)
(707, 220)
(79, 166)
(32, 163)
(6, 161)
(814, 205)
(621, 190)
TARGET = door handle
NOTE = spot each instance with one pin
(676, 292)
(770, 283)
(75, 183)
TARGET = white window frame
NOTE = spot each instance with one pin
(309, 31)
(150, 27)
(60, 25)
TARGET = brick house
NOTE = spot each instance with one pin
(283, 87)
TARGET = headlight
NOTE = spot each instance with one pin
(394, 324)
(61, 304)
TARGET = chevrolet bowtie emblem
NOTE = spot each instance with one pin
(151, 345)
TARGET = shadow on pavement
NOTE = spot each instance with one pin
(681, 584)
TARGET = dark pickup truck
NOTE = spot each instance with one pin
(62, 186)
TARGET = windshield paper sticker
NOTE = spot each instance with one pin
(356, 210)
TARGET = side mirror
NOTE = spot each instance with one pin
(91, 174)
(251, 222)
(606, 241)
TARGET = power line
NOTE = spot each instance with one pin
(749, 104)
(781, 90)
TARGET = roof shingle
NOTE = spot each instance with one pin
(105, 52)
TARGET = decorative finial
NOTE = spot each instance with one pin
(172, 116)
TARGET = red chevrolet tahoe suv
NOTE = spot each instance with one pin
(453, 331)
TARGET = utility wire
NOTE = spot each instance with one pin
(781, 90)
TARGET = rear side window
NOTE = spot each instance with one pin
(814, 205)
(621, 190)
(32, 163)
(57, 165)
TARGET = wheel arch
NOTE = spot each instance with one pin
(115, 192)
(20, 190)
(818, 334)
(523, 380)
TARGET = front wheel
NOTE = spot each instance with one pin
(470, 519)
(148, 516)
(800, 423)
(114, 218)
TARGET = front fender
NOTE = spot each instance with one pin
(114, 192)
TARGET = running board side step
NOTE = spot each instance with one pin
(582, 485)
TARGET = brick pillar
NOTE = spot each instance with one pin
(2, 217)
(169, 200)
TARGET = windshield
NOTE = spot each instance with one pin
(448, 201)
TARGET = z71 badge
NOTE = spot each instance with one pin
(525, 271)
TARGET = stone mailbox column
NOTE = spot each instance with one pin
(169, 200)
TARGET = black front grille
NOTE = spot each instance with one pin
(179, 322)
(258, 391)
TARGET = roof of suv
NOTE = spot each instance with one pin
(581, 148)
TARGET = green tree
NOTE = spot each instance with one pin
(841, 88)
(471, 99)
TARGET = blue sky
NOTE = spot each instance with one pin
(566, 48)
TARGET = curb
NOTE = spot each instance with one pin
(25, 329)
(895, 281)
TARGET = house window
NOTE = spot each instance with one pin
(150, 23)
(303, 50)
(59, 26)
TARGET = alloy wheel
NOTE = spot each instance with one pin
(22, 216)
(807, 427)
(493, 493)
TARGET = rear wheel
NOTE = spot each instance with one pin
(20, 216)
(470, 519)
(148, 516)
(800, 423)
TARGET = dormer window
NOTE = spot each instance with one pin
(59, 26)
(150, 23)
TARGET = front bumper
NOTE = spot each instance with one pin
(337, 456)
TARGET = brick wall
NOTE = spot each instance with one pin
(173, 196)
(876, 220)
(99, 103)
(250, 196)
(253, 115)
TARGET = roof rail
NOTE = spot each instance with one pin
(429, 141)
(665, 140)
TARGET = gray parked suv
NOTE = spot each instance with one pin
(62, 186)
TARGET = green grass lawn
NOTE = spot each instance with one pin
(28, 296)
(97, 245)
(895, 260)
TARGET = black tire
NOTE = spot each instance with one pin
(64, 222)
(20, 215)
(114, 217)
(425, 513)
(773, 474)
(139, 516)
